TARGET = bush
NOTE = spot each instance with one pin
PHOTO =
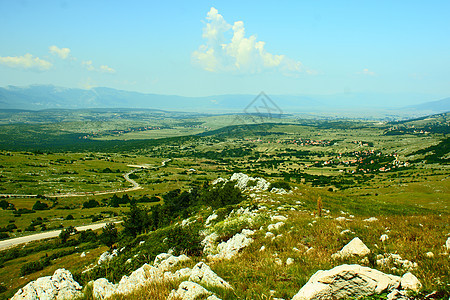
(87, 236)
(109, 234)
(90, 204)
(280, 185)
(185, 240)
(69, 217)
(34, 266)
(38, 205)
(3, 235)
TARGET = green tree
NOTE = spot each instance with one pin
(136, 220)
(109, 234)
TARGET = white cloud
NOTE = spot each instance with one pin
(238, 54)
(61, 52)
(103, 68)
(27, 62)
(106, 69)
(367, 72)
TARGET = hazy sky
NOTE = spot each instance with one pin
(195, 48)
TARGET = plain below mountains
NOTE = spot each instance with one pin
(40, 97)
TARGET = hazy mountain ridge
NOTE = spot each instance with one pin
(38, 97)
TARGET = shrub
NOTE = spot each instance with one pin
(69, 217)
(3, 235)
(185, 240)
(280, 185)
(90, 204)
(34, 266)
(38, 205)
(109, 234)
(87, 236)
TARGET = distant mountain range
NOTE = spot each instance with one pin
(39, 97)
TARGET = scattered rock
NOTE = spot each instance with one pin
(394, 261)
(410, 282)
(270, 235)
(397, 295)
(231, 248)
(103, 289)
(447, 243)
(371, 219)
(203, 274)
(354, 248)
(188, 290)
(278, 218)
(83, 254)
(429, 254)
(262, 248)
(275, 226)
(384, 237)
(278, 261)
(347, 281)
(289, 261)
(210, 219)
(106, 256)
(59, 286)
(341, 219)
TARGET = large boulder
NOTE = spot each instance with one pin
(230, 248)
(203, 274)
(102, 288)
(188, 290)
(59, 286)
(347, 281)
(354, 248)
(410, 282)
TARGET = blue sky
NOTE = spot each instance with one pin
(196, 48)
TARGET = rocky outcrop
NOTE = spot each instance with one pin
(347, 281)
(245, 182)
(447, 244)
(106, 256)
(230, 248)
(410, 282)
(189, 290)
(103, 289)
(203, 274)
(354, 248)
(59, 286)
(394, 262)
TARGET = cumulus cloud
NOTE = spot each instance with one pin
(27, 62)
(240, 53)
(367, 72)
(61, 52)
(103, 68)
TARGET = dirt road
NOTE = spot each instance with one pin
(44, 235)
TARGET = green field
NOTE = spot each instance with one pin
(360, 167)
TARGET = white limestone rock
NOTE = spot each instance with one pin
(346, 281)
(278, 218)
(230, 248)
(275, 226)
(59, 286)
(165, 262)
(210, 219)
(106, 256)
(354, 248)
(447, 244)
(289, 261)
(188, 290)
(103, 289)
(395, 261)
(384, 237)
(202, 273)
(371, 219)
(182, 273)
(410, 282)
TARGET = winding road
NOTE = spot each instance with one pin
(135, 186)
(45, 235)
(52, 234)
